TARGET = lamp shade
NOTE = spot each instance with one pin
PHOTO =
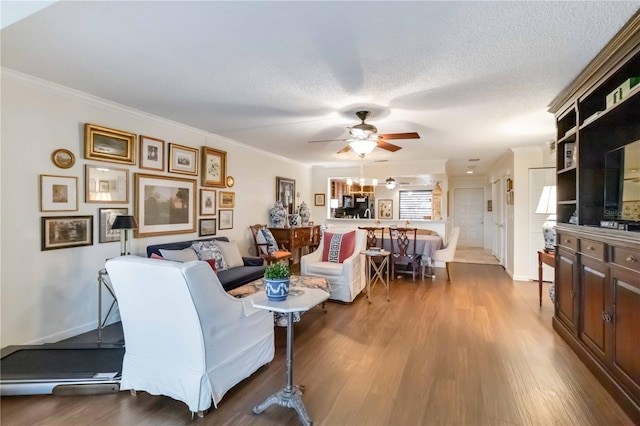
(124, 222)
(547, 203)
(333, 203)
(391, 183)
(362, 146)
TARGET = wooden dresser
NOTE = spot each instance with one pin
(296, 238)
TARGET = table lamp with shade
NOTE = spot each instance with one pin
(333, 203)
(547, 205)
(124, 224)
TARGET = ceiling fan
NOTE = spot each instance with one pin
(364, 137)
(391, 183)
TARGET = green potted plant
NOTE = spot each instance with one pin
(276, 281)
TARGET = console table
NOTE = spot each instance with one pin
(297, 237)
(547, 259)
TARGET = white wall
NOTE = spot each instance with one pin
(51, 295)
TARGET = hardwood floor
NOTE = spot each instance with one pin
(474, 351)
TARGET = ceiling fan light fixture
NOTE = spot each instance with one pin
(362, 146)
(391, 183)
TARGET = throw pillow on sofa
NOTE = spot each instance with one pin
(338, 247)
(230, 253)
(184, 255)
(206, 250)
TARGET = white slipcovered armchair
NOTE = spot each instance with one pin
(447, 253)
(185, 337)
(346, 279)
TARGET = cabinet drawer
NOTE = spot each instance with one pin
(626, 257)
(591, 248)
(568, 241)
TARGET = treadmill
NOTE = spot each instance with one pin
(61, 369)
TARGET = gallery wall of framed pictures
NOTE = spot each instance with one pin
(163, 203)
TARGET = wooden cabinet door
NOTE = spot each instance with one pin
(626, 328)
(566, 288)
(595, 306)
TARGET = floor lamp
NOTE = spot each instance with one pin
(547, 205)
(124, 224)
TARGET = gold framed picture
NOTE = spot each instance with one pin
(63, 158)
(107, 185)
(183, 159)
(105, 144)
(225, 219)
(214, 167)
(58, 193)
(207, 202)
(227, 199)
(151, 153)
(164, 205)
(318, 199)
(286, 193)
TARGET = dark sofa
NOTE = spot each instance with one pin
(231, 278)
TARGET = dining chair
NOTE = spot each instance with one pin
(404, 256)
(266, 245)
(375, 238)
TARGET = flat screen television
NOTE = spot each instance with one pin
(622, 184)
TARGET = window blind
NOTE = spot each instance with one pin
(415, 204)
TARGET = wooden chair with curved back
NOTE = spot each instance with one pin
(404, 257)
(268, 250)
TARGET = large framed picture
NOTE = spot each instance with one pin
(60, 232)
(164, 205)
(106, 216)
(385, 209)
(286, 193)
(226, 219)
(107, 185)
(151, 153)
(214, 167)
(105, 144)
(318, 199)
(207, 202)
(58, 193)
(227, 199)
(207, 227)
(183, 159)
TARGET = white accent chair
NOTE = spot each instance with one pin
(447, 253)
(185, 337)
(346, 279)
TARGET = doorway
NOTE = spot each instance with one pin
(469, 216)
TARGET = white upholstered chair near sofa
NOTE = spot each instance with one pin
(346, 279)
(185, 337)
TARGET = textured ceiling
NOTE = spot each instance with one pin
(472, 78)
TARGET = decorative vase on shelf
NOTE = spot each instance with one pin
(278, 214)
(305, 213)
(294, 219)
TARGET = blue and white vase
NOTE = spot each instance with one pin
(305, 213)
(294, 219)
(278, 214)
(277, 289)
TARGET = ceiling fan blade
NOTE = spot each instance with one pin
(392, 136)
(345, 149)
(388, 146)
(328, 140)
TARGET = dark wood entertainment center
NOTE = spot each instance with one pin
(597, 272)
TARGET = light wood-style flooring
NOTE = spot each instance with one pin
(474, 351)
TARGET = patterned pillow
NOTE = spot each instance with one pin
(209, 250)
(184, 255)
(269, 239)
(338, 247)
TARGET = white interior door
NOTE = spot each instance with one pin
(469, 216)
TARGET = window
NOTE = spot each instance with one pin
(415, 204)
